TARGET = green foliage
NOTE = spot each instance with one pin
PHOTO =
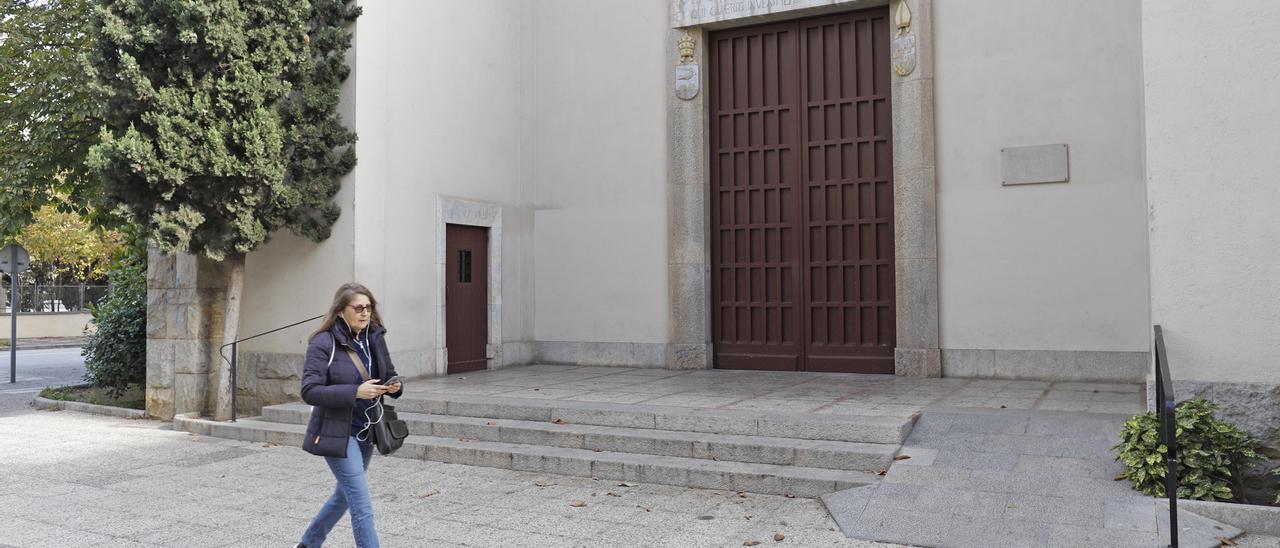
(221, 118)
(1211, 453)
(49, 114)
(132, 397)
(115, 350)
(1276, 472)
(66, 249)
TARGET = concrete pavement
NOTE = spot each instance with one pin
(36, 370)
(86, 480)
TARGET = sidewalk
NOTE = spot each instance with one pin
(97, 481)
(38, 343)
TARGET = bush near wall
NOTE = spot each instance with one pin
(1211, 453)
(115, 350)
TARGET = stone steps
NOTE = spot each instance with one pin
(835, 455)
(775, 479)
(847, 428)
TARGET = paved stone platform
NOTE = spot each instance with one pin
(791, 392)
(982, 477)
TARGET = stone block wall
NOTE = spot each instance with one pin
(186, 297)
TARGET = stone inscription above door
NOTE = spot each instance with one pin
(688, 13)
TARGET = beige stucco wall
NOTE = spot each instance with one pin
(552, 111)
(1051, 266)
(1213, 132)
(599, 149)
(32, 326)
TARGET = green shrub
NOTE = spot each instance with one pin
(115, 350)
(1211, 453)
(1276, 472)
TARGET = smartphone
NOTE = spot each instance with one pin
(394, 379)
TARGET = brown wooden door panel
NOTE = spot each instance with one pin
(802, 195)
(466, 297)
(755, 211)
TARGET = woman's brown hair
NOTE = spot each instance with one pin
(341, 299)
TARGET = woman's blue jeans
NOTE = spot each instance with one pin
(352, 492)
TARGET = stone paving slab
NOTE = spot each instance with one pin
(1012, 478)
(238, 494)
(797, 392)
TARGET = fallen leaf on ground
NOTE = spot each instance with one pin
(882, 472)
(1119, 477)
(612, 494)
(542, 483)
(1225, 541)
(578, 504)
(742, 494)
(268, 444)
(597, 450)
(752, 542)
(902, 457)
(558, 421)
(428, 493)
(625, 484)
(777, 537)
(747, 517)
(789, 495)
(1004, 407)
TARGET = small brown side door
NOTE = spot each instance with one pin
(466, 297)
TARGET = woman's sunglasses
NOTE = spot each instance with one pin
(362, 308)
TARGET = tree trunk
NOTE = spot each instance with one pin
(230, 330)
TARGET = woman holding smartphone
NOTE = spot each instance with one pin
(346, 358)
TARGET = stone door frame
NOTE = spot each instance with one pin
(460, 211)
(914, 198)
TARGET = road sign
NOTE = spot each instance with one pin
(14, 259)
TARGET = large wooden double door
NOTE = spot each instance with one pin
(802, 195)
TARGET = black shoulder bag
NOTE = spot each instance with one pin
(389, 431)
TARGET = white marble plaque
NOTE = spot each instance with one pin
(688, 13)
(1034, 164)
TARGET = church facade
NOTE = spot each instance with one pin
(994, 188)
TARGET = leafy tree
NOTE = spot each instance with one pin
(48, 111)
(221, 123)
(66, 249)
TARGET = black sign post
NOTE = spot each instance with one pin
(13, 259)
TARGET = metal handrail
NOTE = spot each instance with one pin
(1166, 414)
(235, 352)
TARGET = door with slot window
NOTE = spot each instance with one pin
(802, 195)
(466, 297)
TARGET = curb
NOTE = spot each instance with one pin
(1254, 519)
(81, 407)
(22, 347)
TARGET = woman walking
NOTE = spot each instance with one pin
(344, 407)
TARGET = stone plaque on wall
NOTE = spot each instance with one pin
(688, 13)
(1034, 164)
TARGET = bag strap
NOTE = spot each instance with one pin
(364, 373)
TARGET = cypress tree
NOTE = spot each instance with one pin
(221, 124)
